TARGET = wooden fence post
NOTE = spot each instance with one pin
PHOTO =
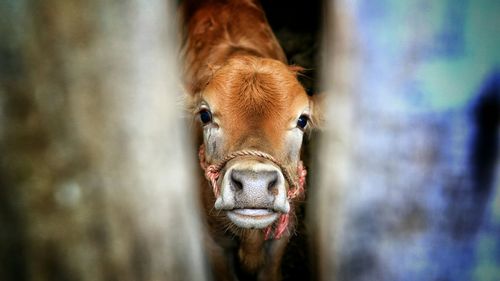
(95, 179)
(408, 169)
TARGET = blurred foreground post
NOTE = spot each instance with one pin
(334, 157)
(95, 181)
(409, 185)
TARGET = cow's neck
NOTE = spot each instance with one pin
(259, 257)
(251, 252)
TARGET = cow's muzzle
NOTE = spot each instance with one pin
(254, 193)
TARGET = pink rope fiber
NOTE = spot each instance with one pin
(212, 173)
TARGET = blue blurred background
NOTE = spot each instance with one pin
(423, 201)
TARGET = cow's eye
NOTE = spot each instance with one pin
(302, 121)
(205, 116)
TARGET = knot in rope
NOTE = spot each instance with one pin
(212, 173)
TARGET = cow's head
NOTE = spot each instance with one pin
(253, 104)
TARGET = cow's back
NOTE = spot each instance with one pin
(216, 30)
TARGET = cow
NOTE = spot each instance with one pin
(251, 113)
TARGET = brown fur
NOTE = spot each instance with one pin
(239, 94)
(216, 30)
(233, 62)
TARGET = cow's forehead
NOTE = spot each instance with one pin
(249, 86)
(256, 102)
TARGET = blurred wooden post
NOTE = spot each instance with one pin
(95, 177)
(334, 156)
(408, 183)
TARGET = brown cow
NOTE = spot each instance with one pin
(253, 113)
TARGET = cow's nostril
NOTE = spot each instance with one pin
(255, 183)
(272, 186)
(235, 182)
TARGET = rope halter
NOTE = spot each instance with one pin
(296, 182)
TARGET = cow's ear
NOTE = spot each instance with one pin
(191, 103)
(303, 76)
(317, 109)
(296, 69)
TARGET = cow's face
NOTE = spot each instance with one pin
(253, 104)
